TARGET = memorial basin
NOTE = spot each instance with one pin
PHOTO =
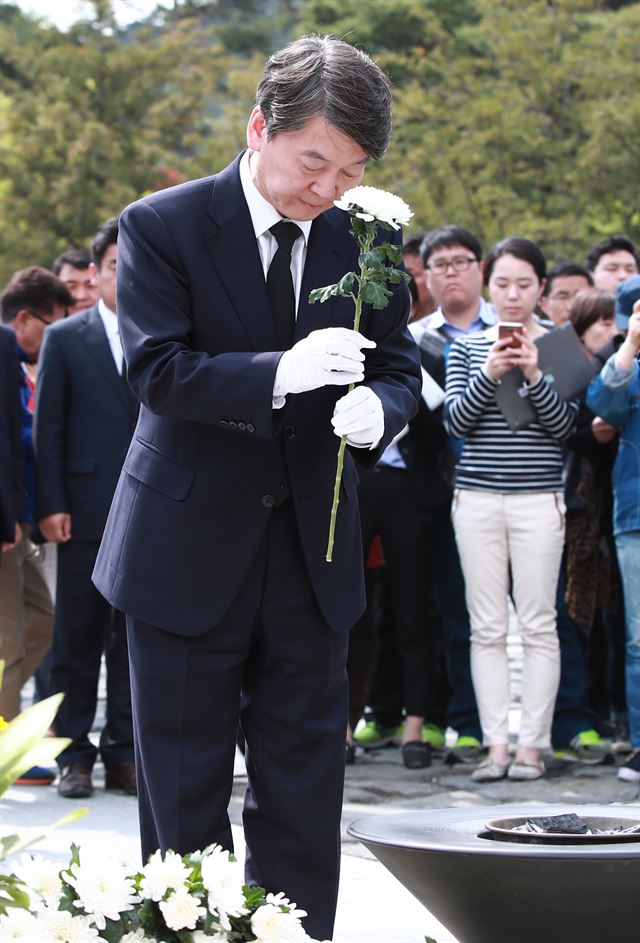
(485, 889)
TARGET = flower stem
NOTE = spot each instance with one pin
(343, 440)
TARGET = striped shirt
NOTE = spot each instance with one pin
(494, 458)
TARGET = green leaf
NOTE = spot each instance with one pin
(375, 294)
(331, 291)
(12, 893)
(21, 735)
(397, 277)
(254, 896)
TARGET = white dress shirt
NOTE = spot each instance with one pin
(110, 324)
(263, 217)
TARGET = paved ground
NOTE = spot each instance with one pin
(373, 907)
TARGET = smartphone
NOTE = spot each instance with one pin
(508, 329)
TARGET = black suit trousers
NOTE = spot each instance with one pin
(273, 665)
(85, 627)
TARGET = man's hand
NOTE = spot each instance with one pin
(603, 431)
(16, 540)
(631, 344)
(359, 416)
(56, 528)
(330, 357)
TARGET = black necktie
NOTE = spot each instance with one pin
(280, 283)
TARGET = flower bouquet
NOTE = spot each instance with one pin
(195, 898)
(370, 209)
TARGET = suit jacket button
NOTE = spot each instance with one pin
(233, 424)
(267, 501)
(251, 427)
(242, 426)
(223, 422)
(289, 431)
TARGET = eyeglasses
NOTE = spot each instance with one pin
(460, 263)
(39, 317)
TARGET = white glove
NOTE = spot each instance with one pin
(330, 357)
(359, 416)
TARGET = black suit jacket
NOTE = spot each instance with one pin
(84, 419)
(11, 456)
(209, 451)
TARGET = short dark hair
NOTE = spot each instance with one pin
(450, 236)
(106, 235)
(520, 248)
(76, 258)
(412, 244)
(590, 306)
(565, 270)
(319, 75)
(610, 244)
(36, 289)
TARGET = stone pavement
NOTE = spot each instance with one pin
(373, 906)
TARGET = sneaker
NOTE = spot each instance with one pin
(466, 749)
(620, 742)
(630, 772)
(370, 734)
(434, 736)
(587, 747)
(36, 776)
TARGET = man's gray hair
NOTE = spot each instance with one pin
(318, 75)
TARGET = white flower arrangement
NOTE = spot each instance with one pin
(370, 210)
(196, 898)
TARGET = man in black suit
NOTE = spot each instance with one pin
(215, 544)
(11, 462)
(85, 416)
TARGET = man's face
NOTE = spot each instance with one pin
(557, 303)
(454, 290)
(302, 172)
(81, 285)
(105, 277)
(613, 268)
(30, 327)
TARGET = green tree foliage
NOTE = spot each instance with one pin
(510, 117)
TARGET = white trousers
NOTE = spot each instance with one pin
(526, 532)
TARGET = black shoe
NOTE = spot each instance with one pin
(122, 777)
(630, 771)
(416, 755)
(75, 781)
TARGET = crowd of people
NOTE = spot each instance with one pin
(461, 514)
(464, 513)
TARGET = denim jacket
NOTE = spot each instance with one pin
(615, 396)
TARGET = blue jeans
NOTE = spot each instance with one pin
(628, 549)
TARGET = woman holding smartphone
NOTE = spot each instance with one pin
(508, 510)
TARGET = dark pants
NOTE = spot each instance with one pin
(572, 713)
(388, 508)
(85, 627)
(274, 665)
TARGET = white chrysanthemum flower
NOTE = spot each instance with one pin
(162, 875)
(181, 910)
(42, 878)
(137, 936)
(373, 203)
(223, 880)
(272, 925)
(64, 927)
(279, 900)
(18, 924)
(103, 887)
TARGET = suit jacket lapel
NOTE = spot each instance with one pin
(95, 339)
(329, 255)
(234, 252)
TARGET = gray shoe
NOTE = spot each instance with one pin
(489, 771)
(525, 772)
